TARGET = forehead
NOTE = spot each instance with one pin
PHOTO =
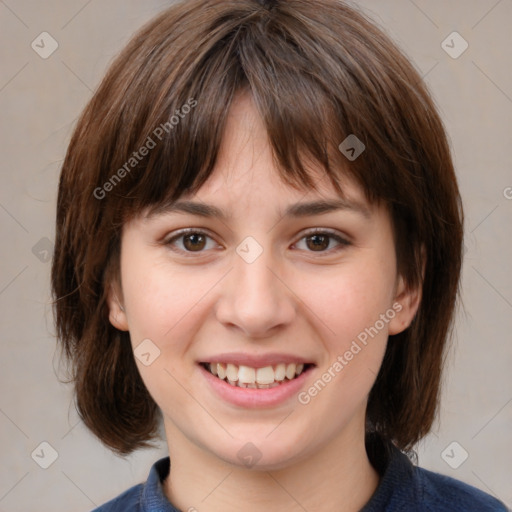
(246, 165)
(246, 177)
(231, 193)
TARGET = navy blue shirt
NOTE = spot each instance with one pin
(403, 487)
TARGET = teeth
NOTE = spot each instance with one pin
(261, 378)
(290, 371)
(232, 372)
(265, 375)
(247, 375)
(280, 372)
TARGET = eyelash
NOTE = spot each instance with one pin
(180, 234)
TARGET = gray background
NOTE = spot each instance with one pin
(40, 100)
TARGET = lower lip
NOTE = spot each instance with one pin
(253, 397)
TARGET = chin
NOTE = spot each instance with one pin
(260, 451)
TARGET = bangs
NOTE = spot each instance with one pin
(180, 99)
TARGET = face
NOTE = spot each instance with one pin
(295, 305)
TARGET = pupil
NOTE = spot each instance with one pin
(197, 241)
(319, 242)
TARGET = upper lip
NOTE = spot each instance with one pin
(255, 360)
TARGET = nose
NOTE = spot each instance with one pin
(255, 298)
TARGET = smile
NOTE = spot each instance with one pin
(256, 378)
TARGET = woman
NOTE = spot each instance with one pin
(259, 237)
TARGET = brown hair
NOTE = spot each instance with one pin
(318, 71)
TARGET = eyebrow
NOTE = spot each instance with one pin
(297, 210)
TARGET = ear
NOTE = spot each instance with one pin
(407, 301)
(117, 314)
(406, 304)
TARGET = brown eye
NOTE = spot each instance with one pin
(317, 242)
(191, 241)
(322, 241)
(194, 242)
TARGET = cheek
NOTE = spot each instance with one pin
(160, 300)
(348, 304)
(163, 306)
(354, 340)
(350, 299)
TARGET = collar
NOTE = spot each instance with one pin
(398, 476)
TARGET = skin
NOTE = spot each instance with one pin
(292, 299)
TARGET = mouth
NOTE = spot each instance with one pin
(266, 377)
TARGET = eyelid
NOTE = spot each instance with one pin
(327, 231)
(186, 231)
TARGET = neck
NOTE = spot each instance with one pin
(338, 477)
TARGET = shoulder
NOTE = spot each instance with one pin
(441, 493)
(128, 501)
(146, 496)
(404, 486)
